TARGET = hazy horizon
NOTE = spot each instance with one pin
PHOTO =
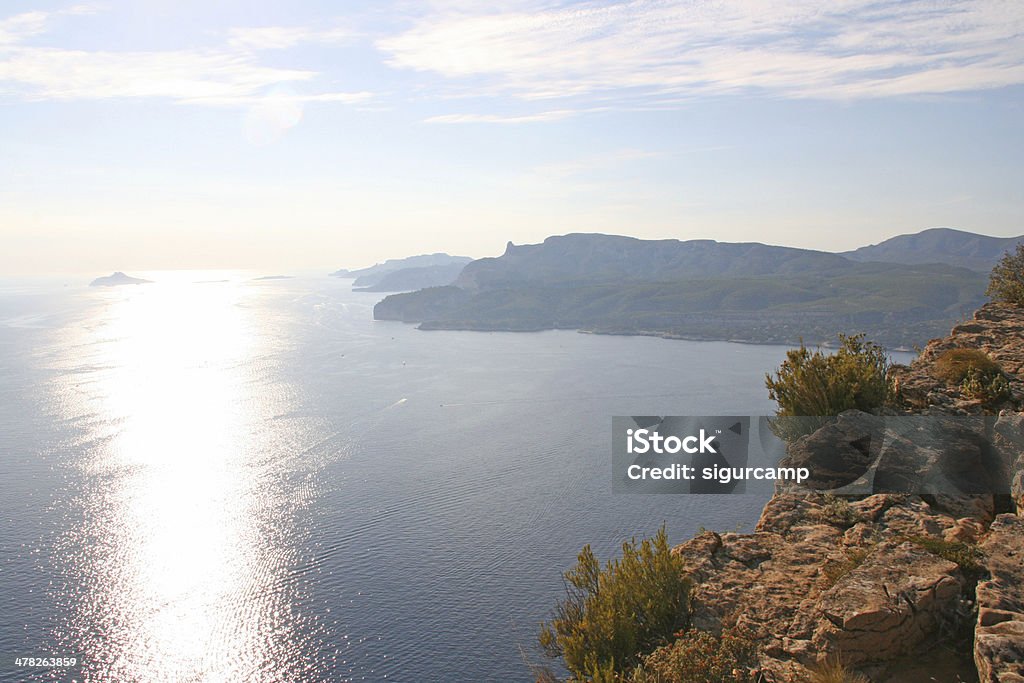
(279, 138)
(306, 270)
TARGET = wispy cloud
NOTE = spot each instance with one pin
(185, 76)
(225, 75)
(20, 27)
(554, 115)
(282, 37)
(644, 50)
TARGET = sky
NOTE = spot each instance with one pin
(153, 134)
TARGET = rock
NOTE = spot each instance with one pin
(839, 453)
(1008, 440)
(898, 598)
(937, 455)
(117, 279)
(999, 634)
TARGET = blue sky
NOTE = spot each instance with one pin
(163, 134)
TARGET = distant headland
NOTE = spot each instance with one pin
(900, 292)
(116, 279)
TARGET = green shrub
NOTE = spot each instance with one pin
(833, 671)
(816, 385)
(699, 657)
(613, 616)
(977, 385)
(1006, 283)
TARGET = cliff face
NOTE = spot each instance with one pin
(900, 587)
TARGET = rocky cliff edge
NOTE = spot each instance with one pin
(899, 587)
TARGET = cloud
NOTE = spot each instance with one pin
(282, 37)
(226, 75)
(554, 115)
(187, 76)
(645, 51)
(20, 27)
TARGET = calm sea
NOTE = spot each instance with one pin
(218, 478)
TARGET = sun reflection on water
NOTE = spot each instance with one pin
(179, 570)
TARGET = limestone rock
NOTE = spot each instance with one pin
(999, 635)
(897, 599)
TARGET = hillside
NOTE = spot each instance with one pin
(406, 279)
(697, 289)
(939, 245)
(372, 275)
(594, 257)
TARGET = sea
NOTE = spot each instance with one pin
(217, 477)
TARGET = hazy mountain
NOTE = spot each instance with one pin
(694, 289)
(368, 277)
(115, 279)
(577, 257)
(406, 279)
(939, 245)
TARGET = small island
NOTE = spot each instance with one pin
(116, 279)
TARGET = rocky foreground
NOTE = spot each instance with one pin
(899, 587)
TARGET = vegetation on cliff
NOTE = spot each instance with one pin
(817, 385)
(612, 617)
(1006, 283)
(972, 371)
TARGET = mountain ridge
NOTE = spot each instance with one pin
(938, 245)
(694, 289)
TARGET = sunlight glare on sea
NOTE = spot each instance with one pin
(182, 548)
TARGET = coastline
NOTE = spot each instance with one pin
(766, 341)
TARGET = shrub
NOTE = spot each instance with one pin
(613, 616)
(976, 374)
(977, 385)
(1006, 283)
(699, 657)
(953, 366)
(816, 385)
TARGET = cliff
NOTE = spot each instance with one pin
(900, 587)
(694, 289)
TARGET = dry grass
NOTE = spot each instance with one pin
(833, 671)
(954, 365)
